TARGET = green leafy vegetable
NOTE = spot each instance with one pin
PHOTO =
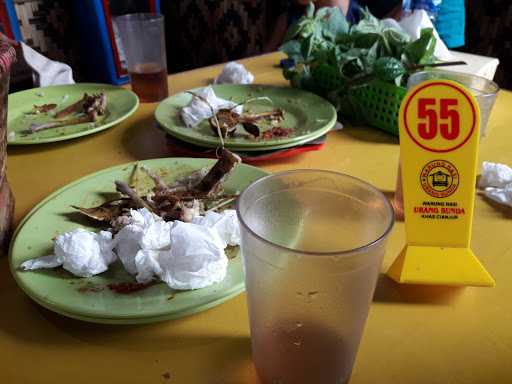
(421, 51)
(331, 57)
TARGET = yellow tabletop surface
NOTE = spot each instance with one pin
(414, 334)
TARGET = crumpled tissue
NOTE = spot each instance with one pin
(225, 223)
(191, 256)
(196, 259)
(46, 72)
(234, 73)
(146, 231)
(80, 252)
(198, 110)
(496, 182)
(183, 255)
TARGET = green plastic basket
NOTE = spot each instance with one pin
(378, 104)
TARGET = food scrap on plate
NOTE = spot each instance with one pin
(86, 110)
(225, 117)
(175, 233)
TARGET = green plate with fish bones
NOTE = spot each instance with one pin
(90, 299)
(121, 103)
(309, 115)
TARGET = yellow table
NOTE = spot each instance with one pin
(413, 335)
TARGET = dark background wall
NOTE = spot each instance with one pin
(204, 32)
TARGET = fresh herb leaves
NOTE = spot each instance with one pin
(329, 56)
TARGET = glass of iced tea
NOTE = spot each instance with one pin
(143, 41)
(312, 245)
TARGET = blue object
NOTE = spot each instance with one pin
(287, 63)
(431, 6)
(100, 57)
(451, 22)
(13, 20)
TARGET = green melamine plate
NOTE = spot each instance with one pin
(90, 299)
(121, 103)
(309, 115)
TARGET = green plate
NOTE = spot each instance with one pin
(60, 291)
(309, 115)
(121, 103)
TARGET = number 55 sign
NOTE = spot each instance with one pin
(439, 131)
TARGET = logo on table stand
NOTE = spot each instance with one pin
(439, 178)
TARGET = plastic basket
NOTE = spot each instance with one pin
(378, 104)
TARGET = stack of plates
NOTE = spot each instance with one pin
(310, 116)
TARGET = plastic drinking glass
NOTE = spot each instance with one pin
(143, 40)
(484, 90)
(312, 243)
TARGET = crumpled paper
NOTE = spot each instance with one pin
(146, 231)
(198, 110)
(196, 259)
(234, 73)
(80, 252)
(183, 255)
(495, 175)
(496, 182)
(225, 223)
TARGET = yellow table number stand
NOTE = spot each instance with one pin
(439, 131)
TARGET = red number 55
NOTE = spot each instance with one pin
(429, 128)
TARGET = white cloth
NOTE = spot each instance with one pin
(47, 72)
(234, 73)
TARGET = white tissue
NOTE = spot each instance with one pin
(146, 231)
(196, 259)
(225, 223)
(234, 73)
(197, 110)
(183, 255)
(41, 262)
(147, 263)
(47, 72)
(496, 181)
(80, 252)
(495, 175)
(500, 195)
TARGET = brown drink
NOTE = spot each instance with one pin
(149, 82)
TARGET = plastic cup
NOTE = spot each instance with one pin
(143, 40)
(484, 90)
(312, 243)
